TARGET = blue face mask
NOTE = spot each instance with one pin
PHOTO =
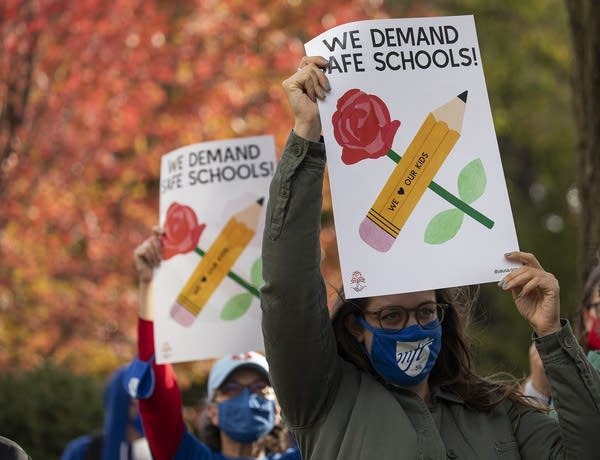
(404, 357)
(247, 416)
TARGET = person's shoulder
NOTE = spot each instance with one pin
(76, 448)
(10, 450)
(191, 448)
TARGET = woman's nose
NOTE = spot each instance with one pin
(412, 319)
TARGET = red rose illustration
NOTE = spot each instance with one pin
(182, 231)
(362, 126)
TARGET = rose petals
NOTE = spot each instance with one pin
(362, 126)
(181, 231)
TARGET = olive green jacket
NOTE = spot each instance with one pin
(337, 411)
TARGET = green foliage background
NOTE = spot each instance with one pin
(44, 408)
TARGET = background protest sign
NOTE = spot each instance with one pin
(212, 202)
(418, 190)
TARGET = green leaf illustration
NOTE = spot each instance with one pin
(444, 226)
(256, 273)
(472, 181)
(236, 307)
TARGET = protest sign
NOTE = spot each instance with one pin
(418, 191)
(206, 291)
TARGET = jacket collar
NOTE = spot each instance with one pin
(439, 393)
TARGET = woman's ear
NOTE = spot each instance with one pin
(355, 328)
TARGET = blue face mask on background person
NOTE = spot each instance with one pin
(247, 416)
(404, 357)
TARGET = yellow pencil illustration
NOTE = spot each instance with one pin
(411, 176)
(216, 263)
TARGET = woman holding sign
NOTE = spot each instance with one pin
(243, 416)
(392, 376)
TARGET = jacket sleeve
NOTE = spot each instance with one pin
(299, 341)
(576, 398)
(161, 413)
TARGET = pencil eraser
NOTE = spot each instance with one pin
(182, 315)
(374, 236)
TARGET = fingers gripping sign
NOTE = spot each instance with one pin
(148, 255)
(303, 89)
(536, 293)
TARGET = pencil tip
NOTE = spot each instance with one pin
(463, 96)
(260, 201)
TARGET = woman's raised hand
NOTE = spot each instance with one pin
(303, 89)
(148, 256)
(536, 293)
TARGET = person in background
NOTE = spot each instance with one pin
(392, 376)
(587, 330)
(587, 320)
(121, 437)
(10, 450)
(242, 415)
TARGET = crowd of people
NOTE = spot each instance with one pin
(382, 377)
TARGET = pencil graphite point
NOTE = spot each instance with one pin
(463, 96)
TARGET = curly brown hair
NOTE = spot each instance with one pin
(454, 369)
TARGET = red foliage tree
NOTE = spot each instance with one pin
(91, 95)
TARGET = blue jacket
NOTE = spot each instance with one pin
(192, 449)
(116, 419)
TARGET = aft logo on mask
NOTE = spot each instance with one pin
(403, 357)
(412, 357)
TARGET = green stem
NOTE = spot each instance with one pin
(450, 198)
(238, 279)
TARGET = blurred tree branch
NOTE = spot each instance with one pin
(584, 18)
(15, 84)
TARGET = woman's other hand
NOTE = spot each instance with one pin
(536, 293)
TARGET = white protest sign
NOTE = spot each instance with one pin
(206, 290)
(418, 190)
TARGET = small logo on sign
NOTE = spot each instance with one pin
(166, 350)
(358, 281)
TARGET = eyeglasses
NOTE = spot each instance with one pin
(395, 317)
(232, 388)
